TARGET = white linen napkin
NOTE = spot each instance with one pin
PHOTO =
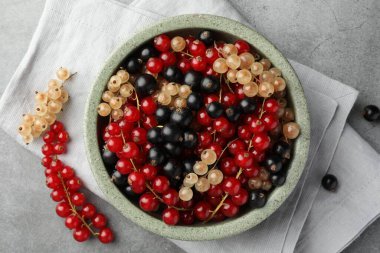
(82, 34)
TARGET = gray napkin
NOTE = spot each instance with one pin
(99, 26)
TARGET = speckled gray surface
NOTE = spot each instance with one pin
(339, 38)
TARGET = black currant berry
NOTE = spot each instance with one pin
(330, 182)
(248, 105)
(128, 192)
(193, 79)
(195, 101)
(233, 113)
(206, 37)
(172, 169)
(156, 156)
(182, 117)
(171, 133)
(190, 139)
(188, 164)
(214, 109)
(119, 179)
(273, 163)
(278, 179)
(145, 85)
(257, 199)
(210, 84)
(173, 74)
(163, 115)
(148, 52)
(371, 113)
(173, 149)
(132, 64)
(154, 135)
(109, 158)
(282, 149)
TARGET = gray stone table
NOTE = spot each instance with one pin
(339, 38)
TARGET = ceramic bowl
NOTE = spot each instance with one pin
(228, 30)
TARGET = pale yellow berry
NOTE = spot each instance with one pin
(267, 185)
(178, 44)
(171, 89)
(267, 76)
(24, 129)
(54, 106)
(54, 83)
(233, 61)
(275, 71)
(180, 102)
(185, 194)
(200, 168)
(63, 73)
(246, 60)
(266, 89)
(117, 114)
(40, 124)
(288, 115)
(164, 98)
(190, 179)
(215, 177)
(291, 130)
(257, 68)
(36, 131)
(255, 183)
(115, 102)
(243, 76)
(250, 89)
(264, 174)
(279, 84)
(231, 75)
(124, 75)
(41, 97)
(54, 93)
(208, 156)
(282, 102)
(184, 91)
(114, 83)
(107, 95)
(64, 96)
(104, 109)
(266, 63)
(40, 109)
(126, 90)
(50, 118)
(229, 49)
(27, 138)
(28, 119)
(203, 185)
(220, 66)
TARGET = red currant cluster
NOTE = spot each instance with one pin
(203, 130)
(80, 216)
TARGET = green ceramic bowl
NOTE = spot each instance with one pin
(228, 30)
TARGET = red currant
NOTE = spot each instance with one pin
(47, 149)
(270, 121)
(57, 126)
(168, 58)
(74, 184)
(138, 135)
(202, 210)
(59, 148)
(203, 118)
(184, 65)
(187, 217)
(126, 126)
(149, 121)
(148, 202)
(231, 185)
(154, 65)
(170, 197)
(221, 124)
(160, 184)
(136, 179)
(99, 220)
(130, 150)
(211, 98)
(63, 136)
(242, 46)
(189, 39)
(256, 125)
(198, 63)
(240, 198)
(53, 181)
(124, 166)
(211, 55)
(114, 129)
(258, 155)
(78, 199)
(57, 195)
(217, 148)
(105, 235)
(260, 141)
(252, 171)
(67, 172)
(170, 216)
(148, 105)
(149, 171)
(229, 99)
(63, 209)
(205, 139)
(115, 144)
(81, 234)
(271, 105)
(162, 43)
(215, 191)
(56, 165)
(49, 136)
(236, 145)
(72, 221)
(131, 113)
(197, 48)
(228, 166)
(243, 159)
(46, 161)
(88, 210)
(244, 133)
(229, 209)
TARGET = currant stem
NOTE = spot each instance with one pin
(262, 109)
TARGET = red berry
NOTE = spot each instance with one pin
(197, 48)
(46, 161)
(244, 133)
(106, 136)
(240, 198)
(47, 149)
(214, 201)
(189, 39)
(105, 235)
(138, 135)
(57, 195)
(202, 210)
(49, 136)
(148, 202)
(239, 92)
(184, 65)
(130, 150)
(229, 99)
(126, 126)
(136, 179)
(131, 113)
(215, 191)
(67, 172)
(72, 221)
(170, 197)
(170, 216)
(81, 234)
(260, 141)
(256, 125)
(74, 184)
(148, 105)
(217, 148)
(221, 124)
(49, 172)
(115, 144)
(236, 145)
(258, 155)
(228, 166)
(168, 58)
(229, 133)
(162, 43)
(88, 210)
(209, 71)
(203, 118)
(53, 181)
(124, 166)
(138, 189)
(204, 139)
(198, 63)
(243, 159)
(63, 136)
(154, 65)
(271, 105)
(59, 148)
(187, 217)
(114, 129)
(186, 204)
(242, 46)
(99, 220)
(160, 184)
(218, 217)
(252, 171)
(270, 121)
(211, 55)
(211, 98)
(78, 199)
(57, 126)
(231, 185)
(220, 140)
(149, 121)
(149, 171)
(229, 209)
(63, 209)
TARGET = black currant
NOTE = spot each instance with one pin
(278, 179)
(172, 169)
(282, 149)
(214, 109)
(148, 52)
(248, 105)
(210, 84)
(190, 139)
(330, 182)
(206, 37)
(182, 117)
(171, 133)
(156, 156)
(163, 115)
(154, 135)
(195, 101)
(257, 199)
(188, 164)
(173, 74)
(119, 179)
(132, 64)
(145, 85)
(233, 113)
(109, 158)
(173, 149)
(193, 79)
(371, 113)
(128, 192)
(273, 163)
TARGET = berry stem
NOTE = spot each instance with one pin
(191, 56)
(262, 109)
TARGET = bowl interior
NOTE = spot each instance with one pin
(229, 31)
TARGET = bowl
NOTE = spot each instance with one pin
(229, 30)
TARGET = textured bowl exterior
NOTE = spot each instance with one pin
(213, 230)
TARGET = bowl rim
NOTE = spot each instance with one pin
(205, 231)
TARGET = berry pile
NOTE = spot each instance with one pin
(197, 129)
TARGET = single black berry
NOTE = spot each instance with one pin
(214, 109)
(206, 37)
(173, 149)
(119, 179)
(282, 149)
(154, 135)
(371, 113)
(163, 115)
(132, 64)
(190, 139)
(273, 163)
(156, 156)
(248, 105)
(210, 84)
(172, 169)
(181, 117)
(233, 113)
(171, 133)
(109, 158)
(195, 101)
(128, 192)
(188, 164)
(278, 179)
(145, 85)
(173, 74)
(330, 182)
(148, 52)
(193, 79)
(257, 199)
